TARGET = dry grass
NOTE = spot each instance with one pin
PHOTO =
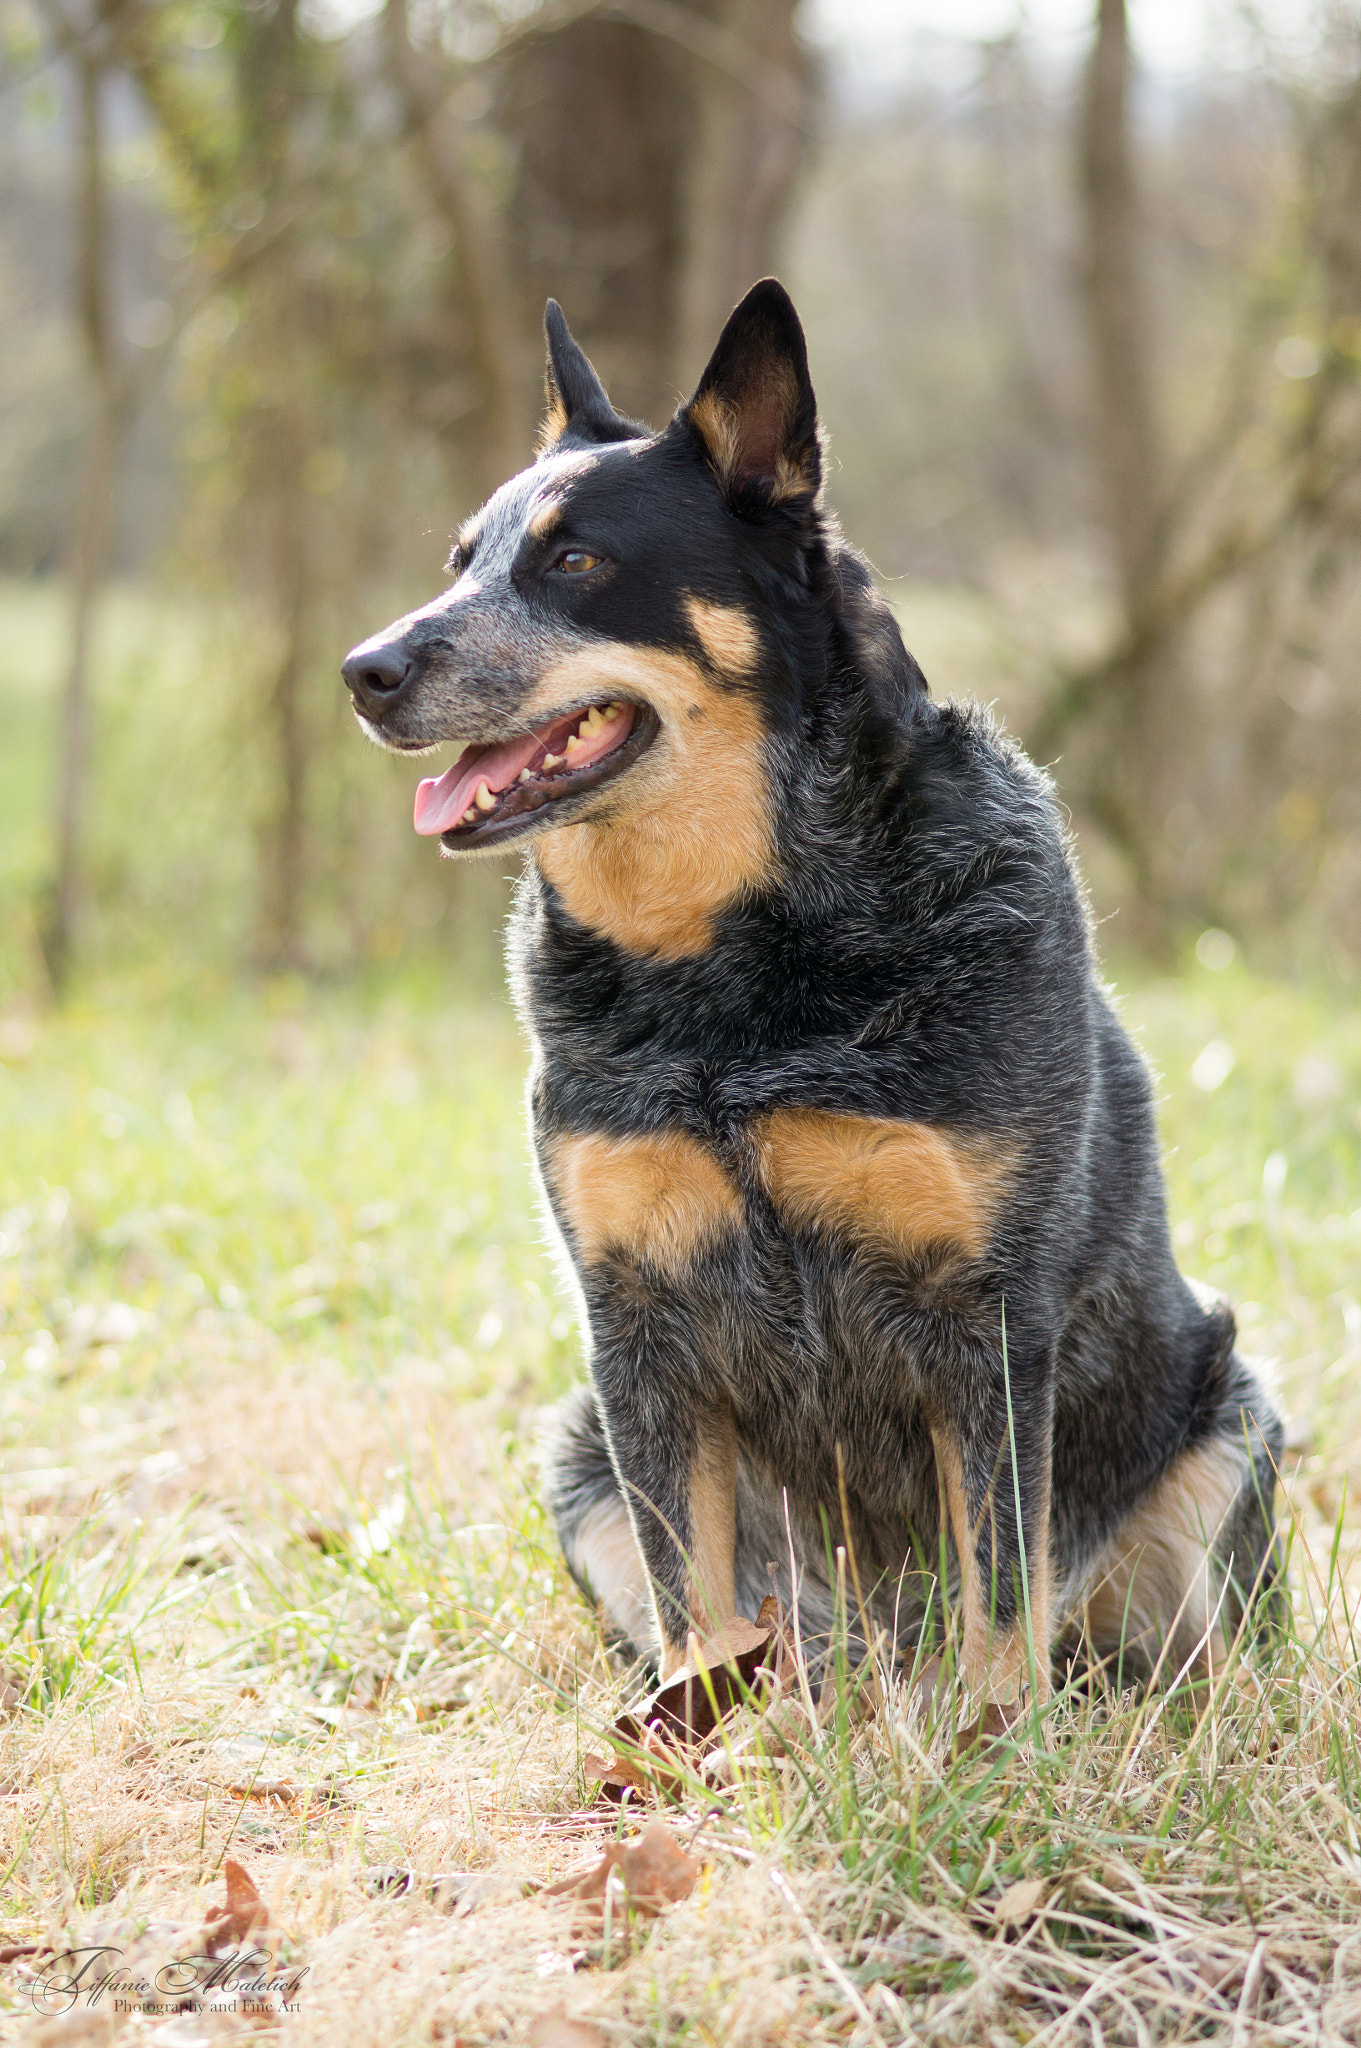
(274, 1326)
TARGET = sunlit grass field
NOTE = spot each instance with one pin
(276, 1322)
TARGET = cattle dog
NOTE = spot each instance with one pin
(851, 1160)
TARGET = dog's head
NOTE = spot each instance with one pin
(621, 611)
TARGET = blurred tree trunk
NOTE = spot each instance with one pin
(270, 88)
(93, 520)
(1125, 786)
(657, 145)
(1116, 297)
(282, 504)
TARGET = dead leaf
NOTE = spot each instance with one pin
(995, 1721)
(13, 1686)
(654, 1872)
(245, 1917)
(659, 1735)
(725, 1663)
(930, 1690)
(1019, 1902)
(328, 1792)
(555, 2030)
(617, 1775)
(272, 1791)
(14, 1950)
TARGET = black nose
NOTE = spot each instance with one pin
(376, 676)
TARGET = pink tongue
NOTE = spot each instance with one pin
(442, 800)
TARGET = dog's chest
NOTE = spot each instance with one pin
(809, 1191)
(806, 1243)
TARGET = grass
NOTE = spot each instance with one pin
(275, 1322)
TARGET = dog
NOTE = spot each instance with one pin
(852, 1165)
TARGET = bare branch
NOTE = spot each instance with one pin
(493, 314)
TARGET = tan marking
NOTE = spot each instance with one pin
(554, 423)
(766, 415)
(716, 424)
(547, 516)
(604, 1550)
(725, 633)
(1156, 1583)
(687, 830)
(996, 1664)
(906, 1184)
(654, 1198)
(710, 1589)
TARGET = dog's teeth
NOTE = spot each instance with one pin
(469, 815)
(574, 745)
(593, 720)
(552, 760)
(524, 776)
(484, 799)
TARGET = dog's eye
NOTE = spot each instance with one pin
(576, 562)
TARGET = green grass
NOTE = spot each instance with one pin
(275, 1321)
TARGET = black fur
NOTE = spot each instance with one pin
(916, 951)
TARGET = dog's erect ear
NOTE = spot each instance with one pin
(578, 403)
(754, 408)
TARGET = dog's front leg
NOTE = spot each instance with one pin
(674, 1446)
(986, 1464)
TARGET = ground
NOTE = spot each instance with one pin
(276, 1324)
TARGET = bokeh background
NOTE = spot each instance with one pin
(1083, 296)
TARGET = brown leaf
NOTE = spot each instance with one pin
(617, 1775)
(1019, 1902)
(13, 1686)
(329, 1792)
(273, 1791)
(728, 1662)
(555, 2030)
(661, 1731)
(654, 1872)
(245, 1917)
(995, 1721)
(929, 1691)
(13, 1951)
(660, 1737)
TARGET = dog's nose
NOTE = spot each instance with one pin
(375, 676)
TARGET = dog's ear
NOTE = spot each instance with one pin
(754, 409)
(578, 403)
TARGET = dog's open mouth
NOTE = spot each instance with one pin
(492, 790)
